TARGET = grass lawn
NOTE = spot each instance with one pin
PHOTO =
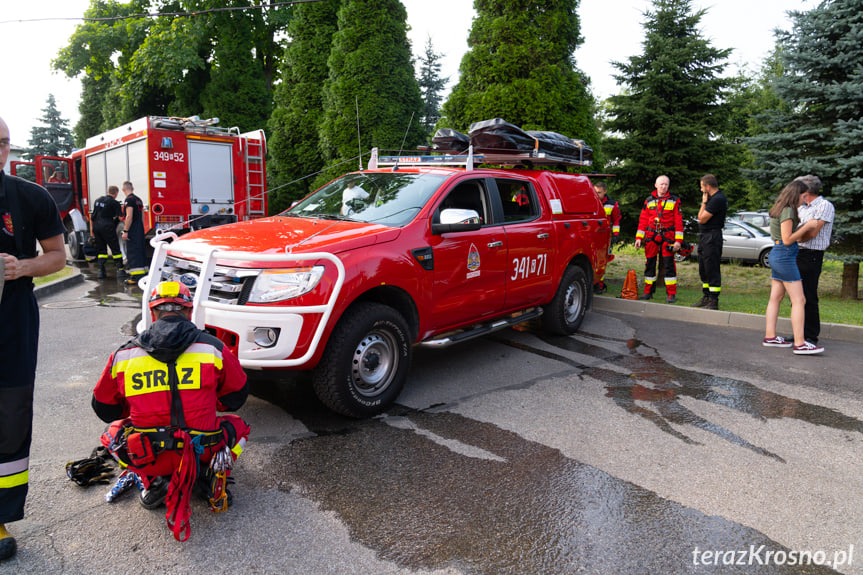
(745, 287)
(67, 271)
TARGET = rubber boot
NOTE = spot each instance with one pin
(8, 546)
(101, 275)
(712, 303)
(121, 271)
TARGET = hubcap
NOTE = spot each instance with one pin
(572, 303)
(374, 364)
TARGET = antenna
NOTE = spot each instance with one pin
(406, 133)
(359, 143)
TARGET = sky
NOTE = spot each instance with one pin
(612, 30)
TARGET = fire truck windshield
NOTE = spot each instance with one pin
(390, 199)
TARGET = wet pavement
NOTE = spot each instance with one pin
(635, 446)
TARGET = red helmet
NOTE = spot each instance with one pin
(171, 292)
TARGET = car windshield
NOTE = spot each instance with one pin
(388, 198)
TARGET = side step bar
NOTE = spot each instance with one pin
(482, 329)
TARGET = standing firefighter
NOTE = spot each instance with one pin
(106, 214)
(160, 392)
(660, 227)
(133, 234)
(711, 220)
(27, 215)
(612, 212)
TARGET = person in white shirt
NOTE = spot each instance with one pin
(352, 192)
(812, 247)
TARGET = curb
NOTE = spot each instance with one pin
(829, 331)
(59, 285)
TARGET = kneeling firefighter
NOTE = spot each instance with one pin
(160, 393)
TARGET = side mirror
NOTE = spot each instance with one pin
(457, 220)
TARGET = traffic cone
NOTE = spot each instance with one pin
(630, 286)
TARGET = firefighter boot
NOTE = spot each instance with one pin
(702, 302)
(8, 547)
(712, 303)
(101, 275)
(121, 271)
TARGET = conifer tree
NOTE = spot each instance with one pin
(371, 97)
(431, 86)
(520, 67)
(294, 150)
(818, 128)
(672, 115)
(53, 138)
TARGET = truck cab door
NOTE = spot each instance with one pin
(530, 243)
(469, 266)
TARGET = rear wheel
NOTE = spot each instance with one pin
(366, 361)
(764, 258)
(564, 314)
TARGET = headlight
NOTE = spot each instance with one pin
(278, 285)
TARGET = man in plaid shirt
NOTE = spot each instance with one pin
(811, 254)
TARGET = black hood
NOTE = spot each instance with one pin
(168, 338)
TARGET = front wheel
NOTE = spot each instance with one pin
(366, 361)
(564, 314)
(76, 247)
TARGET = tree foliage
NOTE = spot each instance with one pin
(294, 150)
(520, 67)
(431, 85)
(818, 128)
(53, 138)
(673, 118)
(212, 64)
(371, 97)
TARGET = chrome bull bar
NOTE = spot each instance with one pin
(209, 255)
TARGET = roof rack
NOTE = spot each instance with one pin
(469, 160)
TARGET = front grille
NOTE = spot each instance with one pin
(230, 285)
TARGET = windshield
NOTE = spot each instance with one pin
(388, 198)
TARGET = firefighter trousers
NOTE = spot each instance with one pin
(652, 250)
(19, 337)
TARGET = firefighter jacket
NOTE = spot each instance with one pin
(661, 219)
(612, 212)
(135, 383)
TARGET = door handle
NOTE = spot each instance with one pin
(496, 244)
(542, 236)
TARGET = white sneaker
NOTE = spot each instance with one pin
(807, 349)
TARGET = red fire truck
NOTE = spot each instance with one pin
(190, 173)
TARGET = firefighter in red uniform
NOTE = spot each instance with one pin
(660, 228)
(160, 392)
(612, 212)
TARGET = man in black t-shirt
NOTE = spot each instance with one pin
(106, 214)
(27, 215)
(711, 220)
(133, 234)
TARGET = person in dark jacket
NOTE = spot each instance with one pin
(160, 392)
(28, 215)
(106, 214)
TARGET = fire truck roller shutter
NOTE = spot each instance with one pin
(211, 172)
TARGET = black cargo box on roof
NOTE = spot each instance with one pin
(499, 136)
(450, 141)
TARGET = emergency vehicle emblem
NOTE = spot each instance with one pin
(189, 280)
(473, 262)
(7, 225)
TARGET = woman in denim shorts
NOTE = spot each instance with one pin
(784, 272)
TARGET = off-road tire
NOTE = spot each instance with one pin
(366, 361)
(564, 314)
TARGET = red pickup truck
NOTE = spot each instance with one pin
(349, 279)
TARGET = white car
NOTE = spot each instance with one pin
(745, 243)
(757, 219)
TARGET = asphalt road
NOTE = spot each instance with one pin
(639, 445)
